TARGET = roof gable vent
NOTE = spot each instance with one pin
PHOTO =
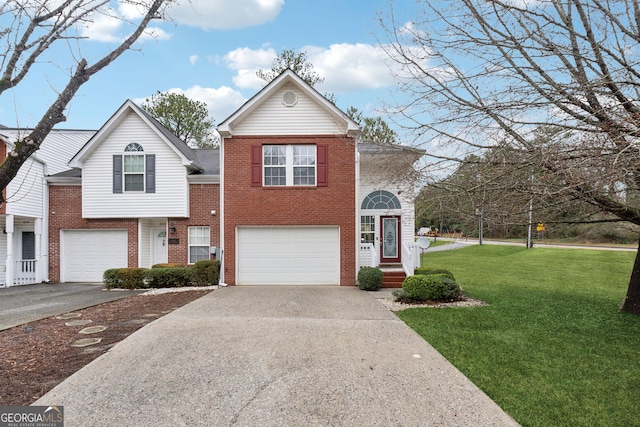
(289, 98)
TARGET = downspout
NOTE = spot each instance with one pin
(221, 278)
(357, 210)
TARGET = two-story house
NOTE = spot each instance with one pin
(303, 202)
(136, 196)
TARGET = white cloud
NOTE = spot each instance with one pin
(221, 102)
(351, 67)
(102, 27)
(345, 67)
(108, 25)
(225, 14)
(193, 59)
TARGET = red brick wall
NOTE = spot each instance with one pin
(65, 212)
(331, 205)
(203, 198)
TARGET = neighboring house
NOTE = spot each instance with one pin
(24, 217)
(136, 196)
(296, 201)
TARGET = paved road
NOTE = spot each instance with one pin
(275, 356)
(23, 304)
(463, 242)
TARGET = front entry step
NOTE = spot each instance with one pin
(392, 278)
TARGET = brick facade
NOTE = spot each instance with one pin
(203, 198)
(65, 212)
(331, 205)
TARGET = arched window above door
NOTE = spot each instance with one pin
(381, 199)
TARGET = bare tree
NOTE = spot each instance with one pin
(32, 28)
(483, 73)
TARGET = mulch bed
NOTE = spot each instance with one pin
(37, 356)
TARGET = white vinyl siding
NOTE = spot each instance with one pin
(171, 187)
(306, 117)
(25, 193)
(374, 177)
(288, 255)
(87, 254)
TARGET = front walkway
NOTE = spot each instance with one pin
(275, 356)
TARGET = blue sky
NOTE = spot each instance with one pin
(211, 51)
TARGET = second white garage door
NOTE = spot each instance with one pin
(86, 254)
(288, 256)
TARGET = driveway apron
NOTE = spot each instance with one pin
(26, 303)
(267, 356)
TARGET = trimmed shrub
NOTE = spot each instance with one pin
(166, 277)
(130, 278)
(205, 272)
(425, 271)
(167, 265)
(432, 287)
(110, 278)
(370, 278)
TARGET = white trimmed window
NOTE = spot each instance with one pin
(198, 244)
(133, 168)
(134, 171)
(289, 165)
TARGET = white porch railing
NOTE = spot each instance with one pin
(367, 255)
(24, 272)
(410, 258)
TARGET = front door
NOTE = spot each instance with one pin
(158, 246)
(389, 239)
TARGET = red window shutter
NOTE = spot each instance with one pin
(256, 166)
(322, 160)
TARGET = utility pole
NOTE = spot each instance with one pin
(480, 225)
(529, 241)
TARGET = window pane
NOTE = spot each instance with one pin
(275, 176)
(304, 155)
(133, 164)
(275, 155)
(198, 253)
(304, 176)
(134, 182)
(198, 244)
(367, 228)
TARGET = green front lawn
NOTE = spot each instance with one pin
(551, 349)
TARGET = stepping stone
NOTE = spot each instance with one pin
(68, 316)
(85, 342)
(78, 322)
(93, 329)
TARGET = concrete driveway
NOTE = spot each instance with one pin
(26, 303)
(275, 356)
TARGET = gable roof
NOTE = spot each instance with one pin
(225, 128)
(188, 156)
(57, 148)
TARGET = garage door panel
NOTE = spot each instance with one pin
(288, 255)
(86, 254)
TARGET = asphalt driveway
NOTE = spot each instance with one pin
(275, 356)
(26, 303)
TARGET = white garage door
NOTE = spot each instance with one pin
(86, 254)
(288, 256)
